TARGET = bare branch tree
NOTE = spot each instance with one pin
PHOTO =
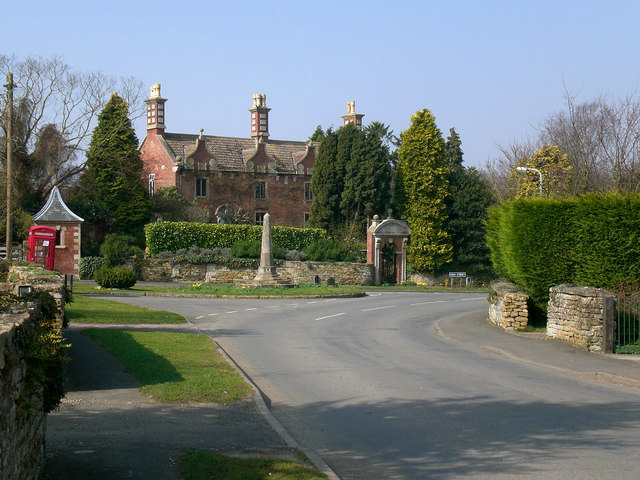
(49, 92)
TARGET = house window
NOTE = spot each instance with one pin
(152, 184)
(260, 218)
(201, 187)
(308, 195)
(261, 191)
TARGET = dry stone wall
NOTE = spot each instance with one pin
(22, 430)
(582, 316)
(508, 306)
(296, 272)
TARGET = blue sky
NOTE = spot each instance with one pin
(491, 69)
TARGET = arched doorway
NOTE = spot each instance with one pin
(386, 250)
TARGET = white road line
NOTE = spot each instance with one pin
(233, 311)
(272, 306)
(201, 316)
(249, 309)
(331, 299)
(378, 308)
(331, 316)
(309, 303)
(213, 314)
(474, 298)
(426, 303)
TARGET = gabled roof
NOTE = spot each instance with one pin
(228, 151)
(55, 210)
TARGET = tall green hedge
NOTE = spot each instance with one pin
(173, 236)
(592, 240)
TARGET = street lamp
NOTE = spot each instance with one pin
(530, 169)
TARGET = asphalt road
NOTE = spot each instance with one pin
(370, 385)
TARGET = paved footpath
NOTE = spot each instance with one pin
(106, 430)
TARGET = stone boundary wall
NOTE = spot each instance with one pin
(508, 306)
(583, 316)
(295, 272)
(22, 432)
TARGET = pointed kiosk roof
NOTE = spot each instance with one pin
(55, 210)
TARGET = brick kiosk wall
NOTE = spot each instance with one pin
(296, 272)
(508, 306)
(22, 432)
(582, 316)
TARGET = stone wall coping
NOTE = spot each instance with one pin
(506, 287)
(580, 291)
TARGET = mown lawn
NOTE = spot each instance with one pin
(97, 310)
(202, 465)
(174, 367)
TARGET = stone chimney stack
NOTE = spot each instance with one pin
(351, 116)
(260, 117)
(155, 111)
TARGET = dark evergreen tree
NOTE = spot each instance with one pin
(325, 209)
(111, 187)
(367, 183)
(469, 198)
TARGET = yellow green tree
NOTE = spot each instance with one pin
(422, 180)
(554, 167)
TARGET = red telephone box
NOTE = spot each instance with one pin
(42, 246)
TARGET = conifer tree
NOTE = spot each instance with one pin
(111, 189)
(424, 173)
(325, 208)
(469, 198)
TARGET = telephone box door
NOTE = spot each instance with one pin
(42, 246)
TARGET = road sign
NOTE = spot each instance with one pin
(457, 274)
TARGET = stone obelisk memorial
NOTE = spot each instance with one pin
(267, 276)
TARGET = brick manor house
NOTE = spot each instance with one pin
(234, 178)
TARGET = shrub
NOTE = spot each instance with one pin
(88, 266)
(245, 249)
(328, 251)
(118, 249)
(115, 277)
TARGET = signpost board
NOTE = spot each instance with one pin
(461, 276)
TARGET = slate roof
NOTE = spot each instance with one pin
(55, 210)
(230, 151)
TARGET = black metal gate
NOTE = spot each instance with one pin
(388, 264)
(628, 324)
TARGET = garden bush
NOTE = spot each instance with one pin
(88, 266)
(115, 277)
(328, 250)
(119, 249)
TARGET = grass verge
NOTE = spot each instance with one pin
(174, 367)
(200, 465)
(96, 310)
(224, 290)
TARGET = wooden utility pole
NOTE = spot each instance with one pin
(9, 86)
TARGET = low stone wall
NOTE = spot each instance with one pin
(296, 272)
(22, 430)
(41, 280)
(581, 315)
(508, 306)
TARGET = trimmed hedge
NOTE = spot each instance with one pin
(173, 236)
(592, 240)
